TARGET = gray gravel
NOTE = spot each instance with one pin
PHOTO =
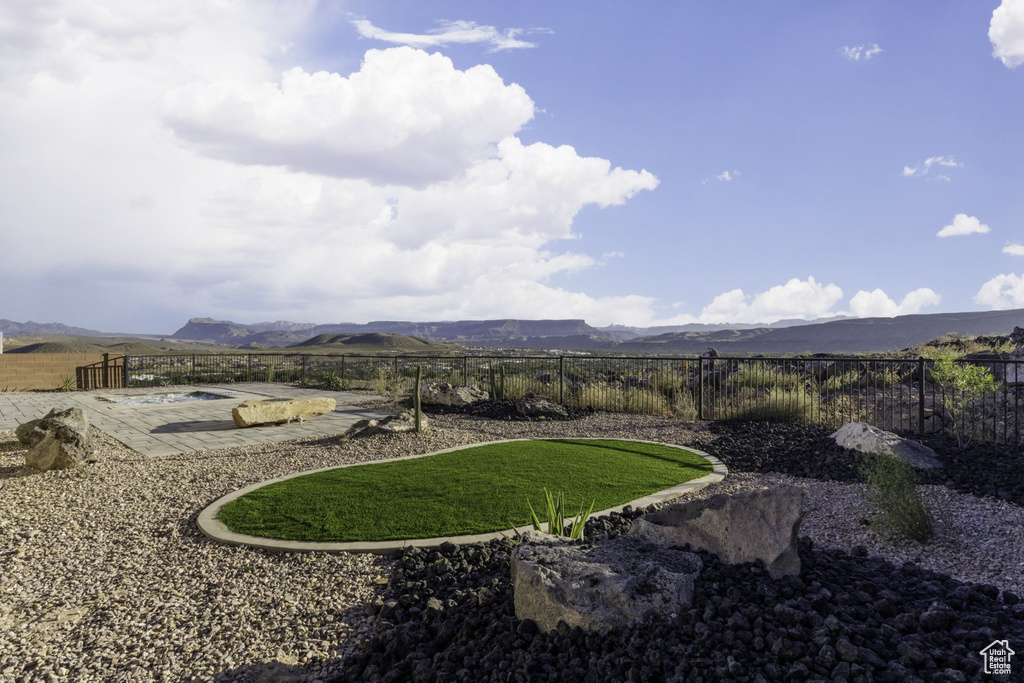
(105, 577)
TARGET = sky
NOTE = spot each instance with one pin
(638, 164)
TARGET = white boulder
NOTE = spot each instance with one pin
(858, 436)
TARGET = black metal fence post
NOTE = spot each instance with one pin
(700, 390)
(561, 380)
(920, 395)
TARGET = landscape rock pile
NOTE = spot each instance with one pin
(506, 409)
(446, 394)
(451, 617)
(401, 423)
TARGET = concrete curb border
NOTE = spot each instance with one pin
(213, 528)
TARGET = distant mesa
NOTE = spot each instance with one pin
(844, 335)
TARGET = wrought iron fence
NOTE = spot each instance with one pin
(895, 394)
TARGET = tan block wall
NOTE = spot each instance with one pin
(27, 371)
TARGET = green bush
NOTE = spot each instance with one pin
(331, 381)
(962, 384)
(892, 493)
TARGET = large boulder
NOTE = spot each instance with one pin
(58, 441)
(392, 424)
(277, 410)
(29, 433)
(534, 406)
(747, 526)
(598, 587)
(858, 436)
(444, 394)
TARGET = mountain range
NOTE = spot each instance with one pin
(842, 335)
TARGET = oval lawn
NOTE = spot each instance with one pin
(471, 490)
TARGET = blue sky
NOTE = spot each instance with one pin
(630, 163)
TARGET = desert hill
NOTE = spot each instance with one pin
(370, 342)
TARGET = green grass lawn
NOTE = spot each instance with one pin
(473, 490)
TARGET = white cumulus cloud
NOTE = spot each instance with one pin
(447, 33)
(1002, 292)
(404, 117)
(859, 52)
(963, 225)
(877, 304)
(797, 298)
(1006, 32)
(1014, 249)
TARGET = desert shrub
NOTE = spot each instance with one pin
(621, 399)
(683, 406)
(842, 409)
(331, 381)
(887, 376)
(763, 375)
(892, 493)
(774, 405)
(840, 383)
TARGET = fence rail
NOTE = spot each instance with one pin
(105, 374)
(900, 395)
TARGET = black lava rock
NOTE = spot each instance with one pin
(449, 613)
(844, 617)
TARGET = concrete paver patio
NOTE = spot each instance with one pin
(173, 428)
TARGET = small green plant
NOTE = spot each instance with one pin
(891, 492)
(555, 509)
(331, 381)
(68, 383)
(962, 384)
